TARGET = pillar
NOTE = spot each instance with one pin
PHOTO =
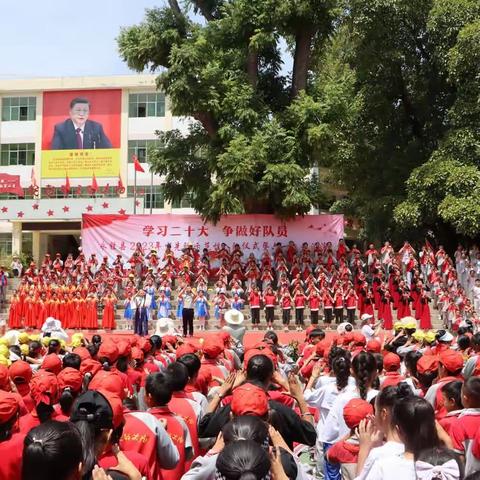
(17, 237)
(36, 246)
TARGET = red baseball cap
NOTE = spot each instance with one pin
(144, 344)
(255, 351)
(225, 336)
(374, 346)
(20, 371)
(391, 362)
(213, 347)
(137, 354)
(70, 378)
(4, 378)
(90, 366)
(184, 349)
(109, 381)
(44, 387)
(171, 339)
(321, 347)
(359, 338)
(52, 363)
(109, 351)
(427, 364)
(451, 360)
(82, 352)
(249, 399)
(355, 411)
(124, 348)
(8, 406)
(348, 337)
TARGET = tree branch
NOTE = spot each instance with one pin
(203, 8)
(301, 60)
(252, 67)
(408, 107)
(208, 123)
(176, 8)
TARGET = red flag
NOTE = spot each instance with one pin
(94, 186)
(66, 187)
(136, 164)
(120, 183)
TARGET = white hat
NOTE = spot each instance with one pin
(446, 337)
(366, 316)
(164, 326)
(234, 317)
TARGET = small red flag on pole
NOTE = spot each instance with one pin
(66, 187)
(94, 186)
(136, 164)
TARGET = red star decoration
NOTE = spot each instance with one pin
(50, 213)
(105, 205)
(137, 203)
(66, 209)
(4, 209)
(35, 206)
(89, 208)
(20, 214)
(122, 211)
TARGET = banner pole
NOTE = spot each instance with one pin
(135, 191)
(151, 190)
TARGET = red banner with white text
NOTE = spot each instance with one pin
(110, 235)
(10, 184)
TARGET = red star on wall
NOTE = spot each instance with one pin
(137, 203)
(50, 213)
(122, 211)
(89, 208)
(4, 209)
(66, 209)
(20, 214)
(35, 206)
(105, 205)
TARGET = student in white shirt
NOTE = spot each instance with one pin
(414, 420)
(364, 370)
(379, 439)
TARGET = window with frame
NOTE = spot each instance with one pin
(154, 198)
(19, 109)
(140, 148)
(5, 244)
(27, 243)
(146, 105)
(12, 154)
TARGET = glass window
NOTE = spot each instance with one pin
(140, 148)
(146, 105)
(27, 243)
(5, 244)
(154, 198)
(18, 108)
(185, 202)
(17, 154)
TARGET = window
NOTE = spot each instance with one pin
(18, 108)
(27, 195)
(185, 202)
(5, 244)
(27, 243)
(154, 199)
(146, 105)
(17, 154)
(140, 148)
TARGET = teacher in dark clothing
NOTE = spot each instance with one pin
(78, 132)
(291, 426)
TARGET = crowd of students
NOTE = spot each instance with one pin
(402, 406)
(316, 283)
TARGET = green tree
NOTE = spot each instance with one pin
(247, 150)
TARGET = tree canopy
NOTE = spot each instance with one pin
(383, 96)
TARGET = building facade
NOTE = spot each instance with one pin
(60, 185)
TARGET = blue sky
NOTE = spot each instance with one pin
(52, 38)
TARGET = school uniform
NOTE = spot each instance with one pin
(463, 433)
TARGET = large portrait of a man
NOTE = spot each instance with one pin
(77, 131)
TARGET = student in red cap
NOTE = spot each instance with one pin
(427, 371)
(21, 373)
(450, 367)
(249, 399)
(213, 347)
(52, 363)
(44, 390)
(70, 383)
(158, 396)
(52, 450)
(11, 440)
(464, 430)
(391, 366)
(345, 452)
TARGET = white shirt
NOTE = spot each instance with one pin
(388, 449)
(335, 427)
(368, 332)
(395, 467)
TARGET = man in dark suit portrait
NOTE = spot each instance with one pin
(78, 132)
